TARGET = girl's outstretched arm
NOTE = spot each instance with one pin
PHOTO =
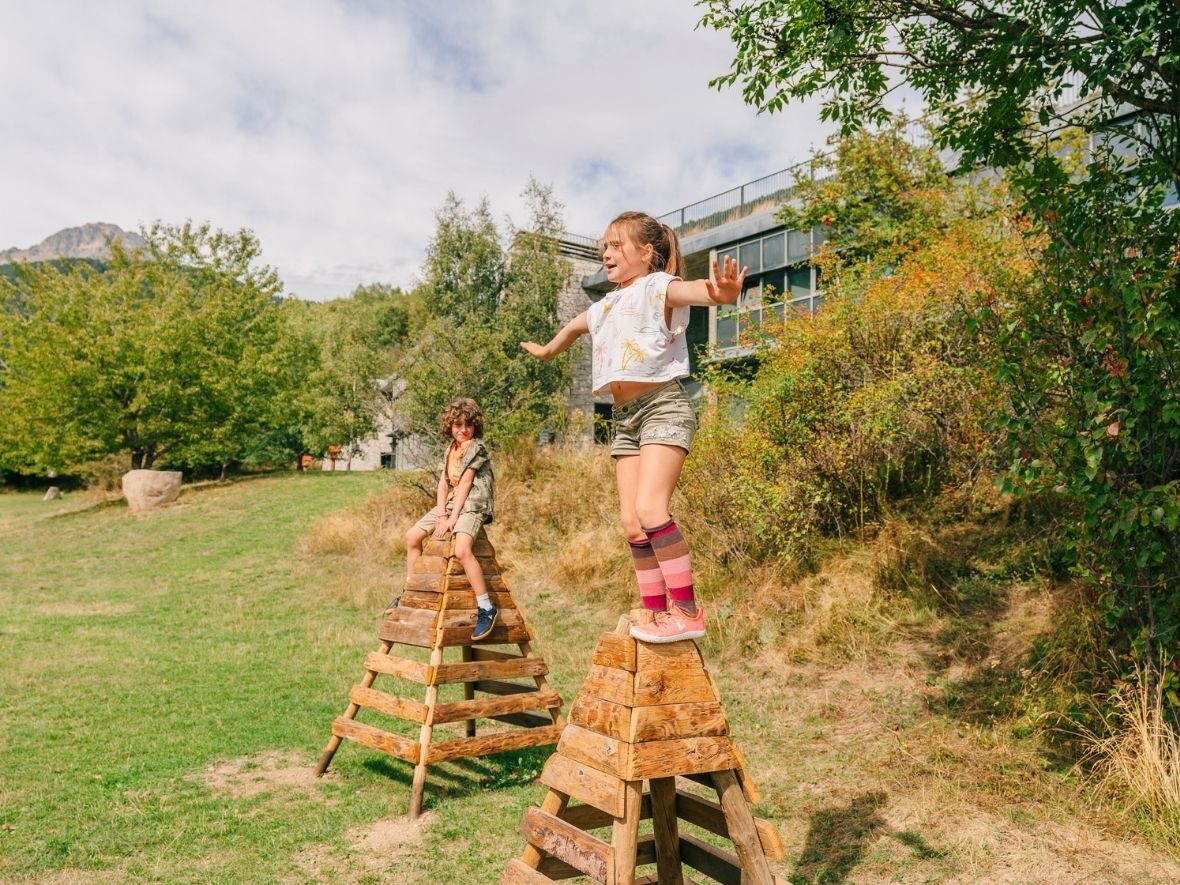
(723, 287)
(570, 333)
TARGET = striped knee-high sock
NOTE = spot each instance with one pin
(675, 563)
(651, 580)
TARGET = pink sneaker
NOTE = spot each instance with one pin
(671, 626)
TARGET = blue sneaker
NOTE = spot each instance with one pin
(485, 622)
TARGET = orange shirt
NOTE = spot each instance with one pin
(454, 459)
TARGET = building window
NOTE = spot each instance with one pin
(779, 284)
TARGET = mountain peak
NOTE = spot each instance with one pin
(89, 240)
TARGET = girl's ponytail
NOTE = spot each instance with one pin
(674, 264)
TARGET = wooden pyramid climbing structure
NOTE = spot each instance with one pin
(437, 612)
(646, 714)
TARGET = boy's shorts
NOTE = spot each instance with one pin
(468, 524)
(663, 416)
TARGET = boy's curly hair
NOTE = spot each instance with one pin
(465, 408)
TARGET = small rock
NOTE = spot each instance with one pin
(52, 493)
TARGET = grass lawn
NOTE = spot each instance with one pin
(168, 680)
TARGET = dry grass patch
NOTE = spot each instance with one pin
(255, 775)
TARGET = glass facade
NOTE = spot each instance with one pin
(780, 284)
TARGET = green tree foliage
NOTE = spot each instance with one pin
(165, 355)
(1016, 62)
(482, 299)
(345, 349)
(879, 396)
(1090, 353)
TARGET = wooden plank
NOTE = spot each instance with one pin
(708, 815)
(672, 721)
(553, 803)
(519, 873)
(751, 789)
(420, 599)
(615, 650)
(743, 831)
(414, 671)
(430, 565)
(394, 744)
(705, 858)
(625, 836)
(555, 837)
(587, 817)
(682, 756)
(493, 654)
(390, 705)
(589, 785)
(422, 584)
(465, 617)
(460, 584)
(484, 745)
(596, 750)
(524, 720)
(407, 634)
(484, 670)
(610, 684)
(485, 708)
(653, 688)
(464, 597)
(487, 564)
(452, 636)
(495, 686)
(665, 830)
(668, 657)
(433, 546)
(604, 717)
(406, 615)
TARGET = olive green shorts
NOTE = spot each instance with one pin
(662, 416)
(468, 524)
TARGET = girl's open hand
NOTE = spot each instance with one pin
(725, 283)
(537, 350)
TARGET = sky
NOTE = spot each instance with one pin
(334, 129)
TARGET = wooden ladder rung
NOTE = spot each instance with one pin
(722, 865)
(493, 743)
(485, 708)
(414, 671)
(395, 745)
(525, 720)
(488, 670)
(390, 705)
(708, 815)
(492, 686)
(589, 854)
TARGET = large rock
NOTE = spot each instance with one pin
(145, 489)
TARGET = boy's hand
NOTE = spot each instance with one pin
(538, 350)
(442, 526)
(725, 283)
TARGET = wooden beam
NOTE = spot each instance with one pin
(580, 850)
(395, 745)
(492, 743)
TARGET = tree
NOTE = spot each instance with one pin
(997, 75)
(166, 354)
(1087, 352)
(482, 300)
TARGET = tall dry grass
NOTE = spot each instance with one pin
(1138, 756)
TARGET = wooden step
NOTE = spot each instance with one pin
(589, 854)
(708, 815)
(493, 743)
(394, 744)
(391, 665)
(390, 705)
(485, 708)
(488, 670)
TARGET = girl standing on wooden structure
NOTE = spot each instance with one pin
(465, 502)
(640, 353)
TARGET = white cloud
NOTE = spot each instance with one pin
(334, 130)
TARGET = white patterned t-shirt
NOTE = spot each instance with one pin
(631, 341)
